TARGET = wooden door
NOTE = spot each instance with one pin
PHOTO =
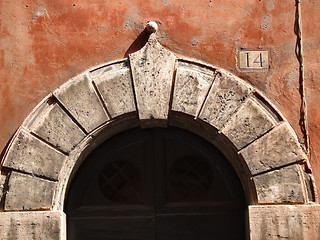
(200, 196)
(155, 184)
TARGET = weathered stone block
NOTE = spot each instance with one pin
(294, 222)
(225, 97)
(3, 179)
(152, 73)
(281, 186)
(28, 192)
(190, 91)
(277, 148)
(109, 67)
(311, 191)
(33, 225)
(249, 123)
(80, 99)
(29, 154)
(116, 90)
(56, 127)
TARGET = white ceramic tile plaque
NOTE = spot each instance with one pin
(251, 60)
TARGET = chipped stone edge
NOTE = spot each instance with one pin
(32, 116)
(94, 68)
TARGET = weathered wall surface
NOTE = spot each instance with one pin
(44, 43)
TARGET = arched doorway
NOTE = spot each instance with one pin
(150, 89)
(156, 184)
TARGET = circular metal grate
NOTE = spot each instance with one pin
(120, 181)
(191, 177)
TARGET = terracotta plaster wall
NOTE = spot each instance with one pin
(311, 37)
(45, 42)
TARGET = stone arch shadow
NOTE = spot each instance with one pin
(153, 88)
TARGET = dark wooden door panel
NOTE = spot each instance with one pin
(164, 184)
(221, 226)
(129, 228)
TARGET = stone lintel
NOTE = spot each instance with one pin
(48, 225)
(294, 222)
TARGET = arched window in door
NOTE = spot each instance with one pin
(155, 184)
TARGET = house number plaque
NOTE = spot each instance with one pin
(252, 60)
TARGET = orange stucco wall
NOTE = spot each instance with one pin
(46, 42)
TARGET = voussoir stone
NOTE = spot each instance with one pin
(152, 72)
(3, 179)
(294, 222)
(284, 185)
(79, 97)
(225, 97)
(115, 86)
(190, 89)
(276, 148)
(29, 154)
(250, 122)
(27, 192)
(49, 225)
(56, 127)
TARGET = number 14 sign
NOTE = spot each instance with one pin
(253, 59)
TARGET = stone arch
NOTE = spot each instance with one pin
(154, 88)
